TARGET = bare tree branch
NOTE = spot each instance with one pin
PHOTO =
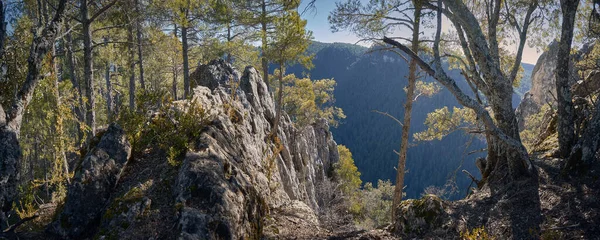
(390, 116)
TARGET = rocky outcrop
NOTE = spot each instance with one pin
(543, 85)
(589, 86)
(422, 217)
(92, 186)
(526, 108)
(237, 174)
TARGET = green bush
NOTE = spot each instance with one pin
(173, 127)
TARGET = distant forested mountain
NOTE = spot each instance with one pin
(367, 80)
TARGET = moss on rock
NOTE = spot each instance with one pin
(420, 216)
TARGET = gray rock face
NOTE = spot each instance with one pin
(236, 174)
(419, 217)
(526, 108)
(543, 85)
(92, 186)
(215, 74)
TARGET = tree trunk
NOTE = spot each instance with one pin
(2, 34)
(79, 110)
(502, 159)
(139, 45)
(265, 62)
(10, 124)
(109, 107)
(228, 57)
(412, 79)
(59, 127)
(10, 156)
(186, 66)
(174, 84)
(131, 69)
(88, 69)
(174, 60)
(566, 112)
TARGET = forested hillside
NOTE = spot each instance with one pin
(368, 80)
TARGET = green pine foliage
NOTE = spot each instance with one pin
(347, 172)
(305, 100)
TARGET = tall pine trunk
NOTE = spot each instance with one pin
(566, 112)
(186, 66)
(412, 79)
(109, 107)
(174, 61)
(88, 68)
(58, 125)
(79, 110)
(131, 60)
(139, 45)
(2, 34)
(265, 62)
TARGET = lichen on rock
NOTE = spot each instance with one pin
(236, 176)
(93, 186)
(420, 216)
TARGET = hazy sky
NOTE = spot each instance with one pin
(318, 24)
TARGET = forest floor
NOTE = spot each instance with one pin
(565, 207)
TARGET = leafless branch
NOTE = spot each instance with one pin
(390, 116)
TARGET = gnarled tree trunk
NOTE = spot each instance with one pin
(566, 112)
(10, 123)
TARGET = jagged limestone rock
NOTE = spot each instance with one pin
(236, 173)
(92, 186)
(419, 217)
(215, 74)
(526, 108)
(543, 85)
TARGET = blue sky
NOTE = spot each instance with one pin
(318, 24)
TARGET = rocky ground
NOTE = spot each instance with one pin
(566, 207)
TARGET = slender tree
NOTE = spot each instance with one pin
(2, 35)
(371, 20)
(410, 93)
(70, 58)
(185, 46)
(288, 46)
(131, 60)
(86, 19)
(138, 31)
